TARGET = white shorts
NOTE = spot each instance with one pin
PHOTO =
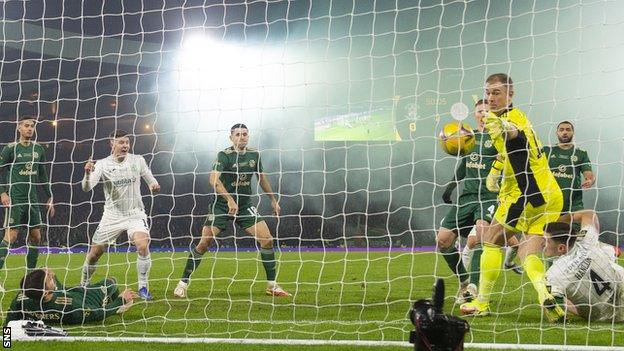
(111, 227)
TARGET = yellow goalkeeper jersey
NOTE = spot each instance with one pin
(525, 172)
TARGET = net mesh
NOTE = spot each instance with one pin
(344, 100)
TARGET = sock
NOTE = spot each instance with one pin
(268, 261)
(491, 260)
(475, 264)
(466, 257)
(192, 263)
(534, 268)
(4, 251)
(32, 253)
(510, 255)
(453, 260)
(87, 273)
(143, 268)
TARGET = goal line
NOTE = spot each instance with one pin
(363, 343)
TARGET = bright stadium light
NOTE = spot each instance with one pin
(221, 83)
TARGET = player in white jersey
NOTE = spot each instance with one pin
(121, 174)
(584, 270)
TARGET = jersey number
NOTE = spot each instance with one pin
(253, 211)
(599, 284)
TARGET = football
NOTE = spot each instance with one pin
(457, 138)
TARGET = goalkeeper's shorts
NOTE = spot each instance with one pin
(517, 214)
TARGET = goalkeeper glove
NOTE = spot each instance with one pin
(495, 125)
(491, 182)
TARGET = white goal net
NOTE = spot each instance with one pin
(344, 101)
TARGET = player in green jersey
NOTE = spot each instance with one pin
(231, 178)
(22, 171)
(44, 298)
(567, 163)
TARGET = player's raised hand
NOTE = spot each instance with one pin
(276, 208)
(155, 188)
(588, 183)
(89, 166)
(232, 207)
(5, 199)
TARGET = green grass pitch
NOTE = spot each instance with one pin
(337, 296)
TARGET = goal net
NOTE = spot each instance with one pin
(344, 101)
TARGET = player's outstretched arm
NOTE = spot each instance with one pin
(496, 127)
(587, 218)
(266, 187)
(222, 191)
(92, 175)
(148, 177)
(82, 312)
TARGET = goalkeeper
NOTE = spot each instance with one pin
(475, 207)
(528, 199)
(44, 298)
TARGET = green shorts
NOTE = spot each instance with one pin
(218, 216)
(22, 215)
(463, 216)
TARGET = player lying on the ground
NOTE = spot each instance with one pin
(475, 207)
(529, 197)
(43, 297)
(231, 178)
(584, 270)
(121, 174)
(22, 169)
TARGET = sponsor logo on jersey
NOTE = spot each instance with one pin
(561, 168)
(574, 158)
(474, 161)
(252, 163)
(123, 182)
(564, 157)
(27, 171)
(240, 184)
(488, 143)
(563, 175)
